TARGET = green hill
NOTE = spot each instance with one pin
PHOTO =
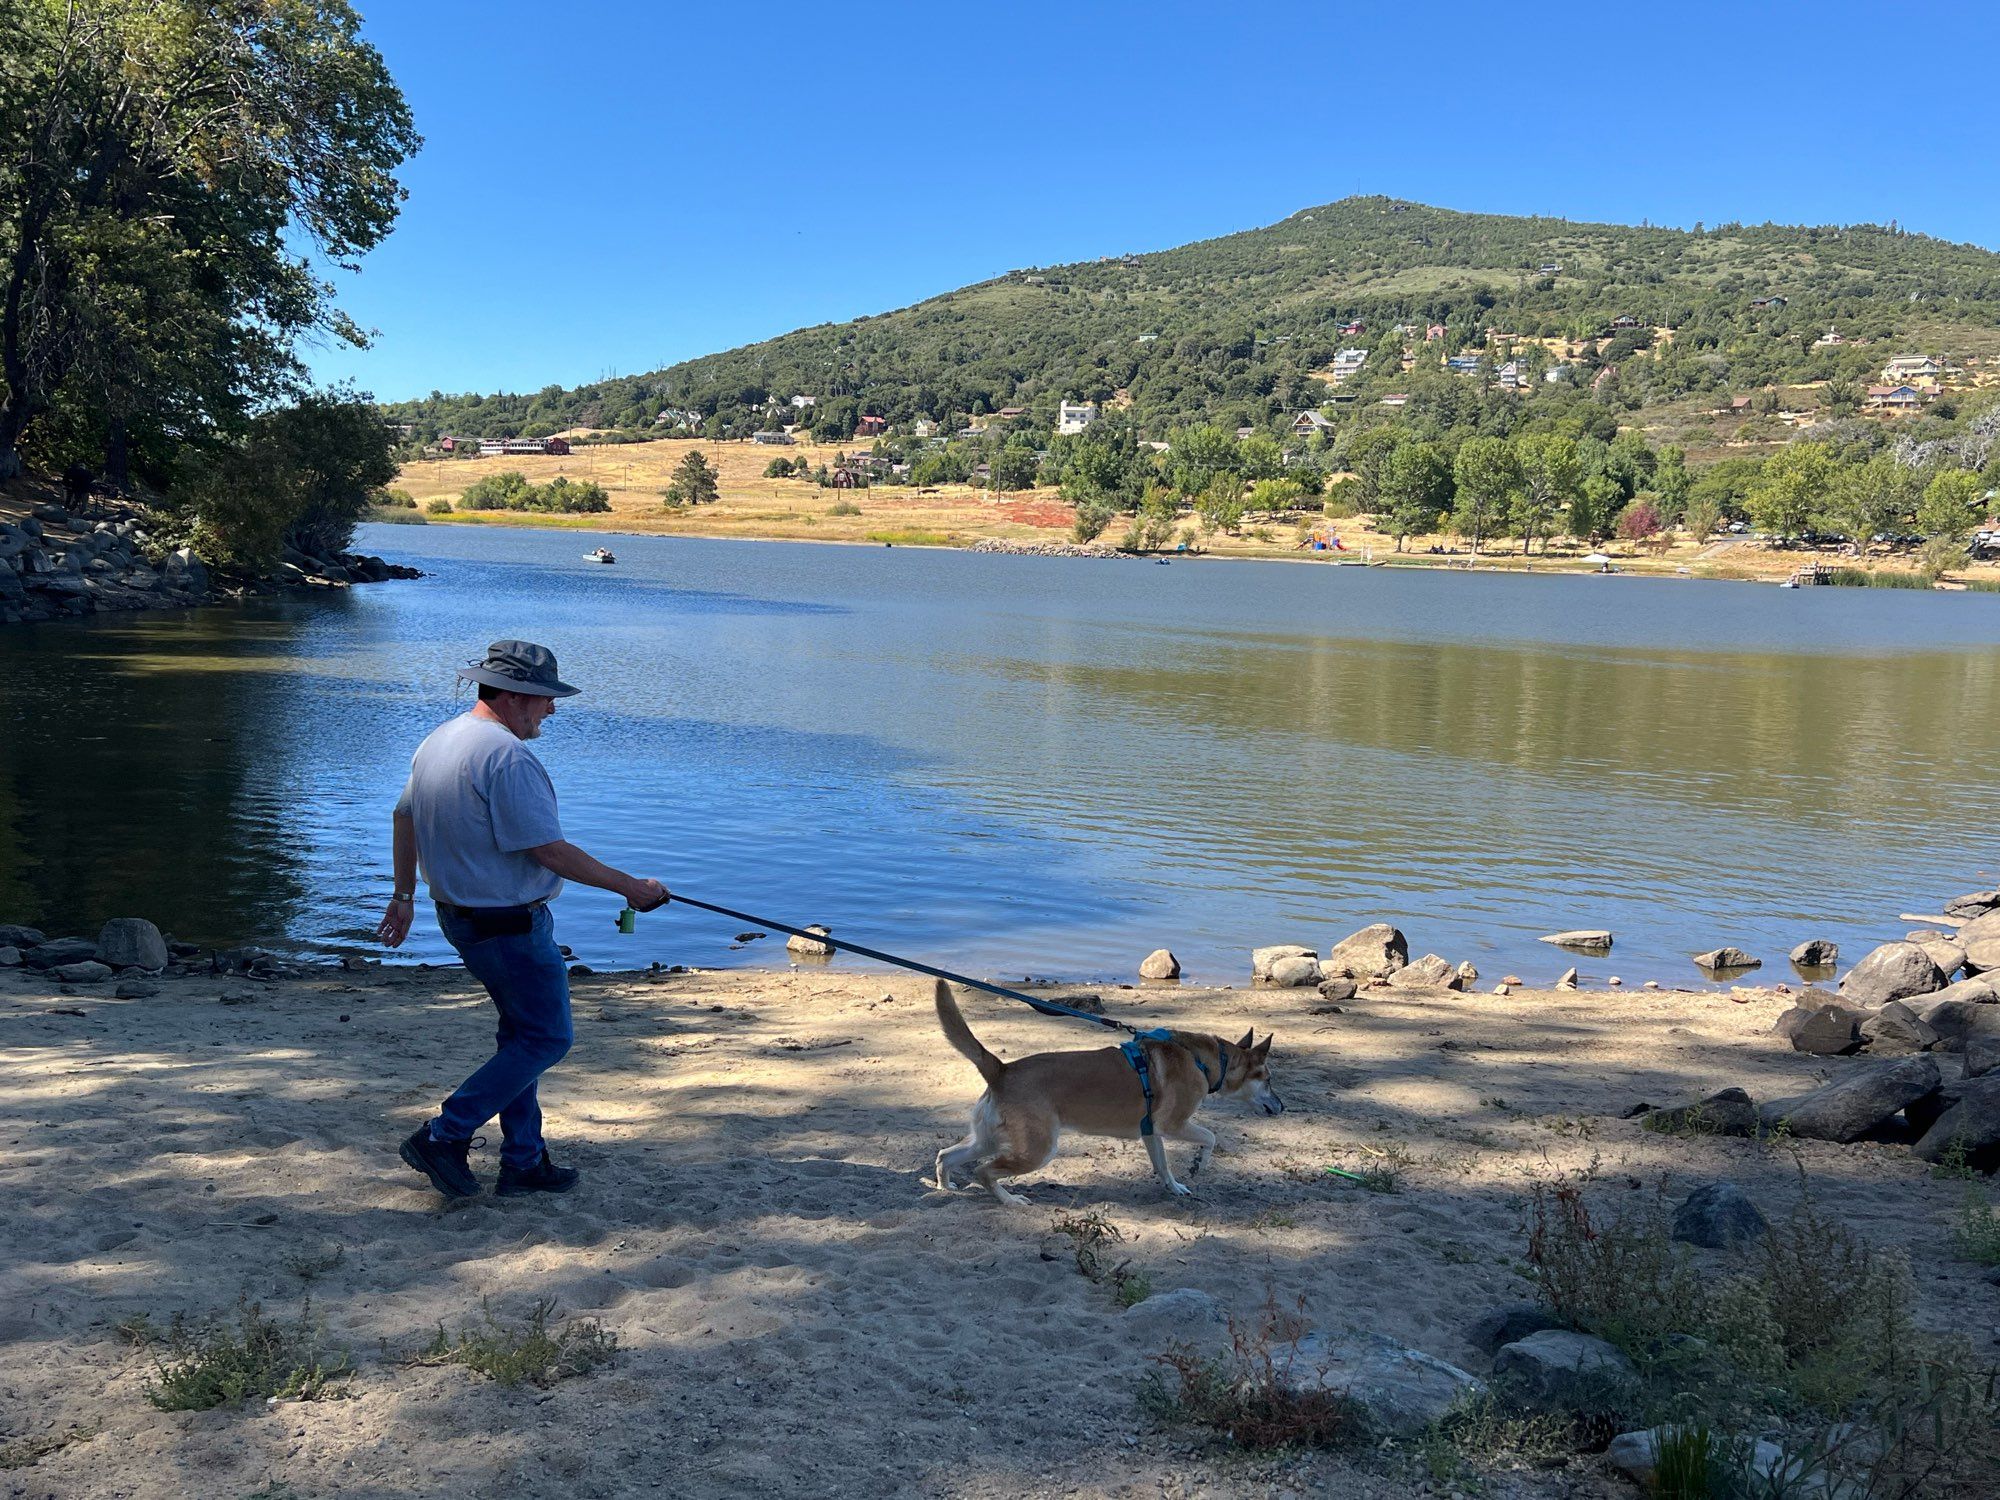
(1236, 328)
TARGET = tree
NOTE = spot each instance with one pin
(1873, 499)
(1200, 453)
(1552, 479)
(1488, 476)
(1417, 488)
(1700, 516)
(693, 483)
(1220, 506)
(1952, 506)
(1672, 482)
(1366, 457)
(1092, 516)
(1260, 457)
(1591, 511)
(1793, 489)
(1639, 521)
(162, 165)
(778, 468)
(1014, 468)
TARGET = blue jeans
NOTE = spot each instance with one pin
(530, 987)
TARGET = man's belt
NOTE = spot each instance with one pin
(493, 921)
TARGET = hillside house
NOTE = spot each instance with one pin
(517, 447)
(1306, 423)
(1463, 364)
(1433, 332)
(1831, 339)
(1739, 406)
(1767, 303)
(1399, 398)
(1598, 380)
(871, 426)
(1555, 373)
(1347, 363)
(1357, 326)
(772, 439)
(1011, 413)
(802, 402)
(453, 444)
(1896, 397)
(923, 427)
(1911, 367)
(1509, 375)
(1548, 268)
(1244, 432)
(677, 416)
(1623, 322)
(1073, 416)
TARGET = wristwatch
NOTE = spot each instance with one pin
(409, 896)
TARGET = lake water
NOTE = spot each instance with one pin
(1018, 765)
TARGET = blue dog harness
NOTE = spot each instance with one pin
(1135, 1054)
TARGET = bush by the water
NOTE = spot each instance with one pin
(438, 507)
(511, 491)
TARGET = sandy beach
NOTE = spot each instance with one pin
(797, 1311)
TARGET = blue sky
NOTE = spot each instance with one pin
(609, 186)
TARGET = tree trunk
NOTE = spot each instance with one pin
(118, 456)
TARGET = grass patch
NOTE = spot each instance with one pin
(1810, 1330)
(530, 1354)
(1871, 578)
(211, 1364)
(393, 515)
(910, 536)
(843, 508)
(1976, 1234)
(1483, 1433)
(1250, 1395)
(1091, 1237)
(24, 1453)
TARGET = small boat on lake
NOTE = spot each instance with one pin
(599, 555)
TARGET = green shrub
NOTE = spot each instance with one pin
(1245, 1396)
(529, 1354)
(843, 508)
(438, 507)
(210, 1365)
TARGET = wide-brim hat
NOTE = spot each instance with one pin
(519, 667)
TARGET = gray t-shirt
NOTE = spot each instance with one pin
(480, 799)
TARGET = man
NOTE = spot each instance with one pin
(479, 815)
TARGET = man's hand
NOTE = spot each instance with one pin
(647, 895)
(395, 924)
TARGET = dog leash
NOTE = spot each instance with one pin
(1046, 1007)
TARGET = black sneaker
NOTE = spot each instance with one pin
(543, 1177)
(441, 1161)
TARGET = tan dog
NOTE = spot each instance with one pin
(1029, 1103)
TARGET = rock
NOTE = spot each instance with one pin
(1375, 952)
(1337, 988)
(20, 937)
(1816, 953)
(1567, 979)
(1503, 988)
(1894, 971)
(1971, 1125)
(1979, 990)
(1614, 981)
(1895, 1028)
(10, 957)
(1513, 981)
(1957, 1022)
(50, 514)
(1428, 972)
(811, 946)
(1728, 1112)
(1651, 984)
(1464, 976)
(131, 943)
(1719, 1217)
(1727, 959)
(1590, 939)
(1558, 1371)
(1945, 953)
(1976, 904)
(1160, 964)
(1848, 1108)
(1982, 955)
(1184, 1315)
(136, 989)
(1294, 971)
(59, 951)
(1831, 1030)
(1509, 1323)
(1638, 1455)
(89, 971)
(1261, 959)
(1400, 1391)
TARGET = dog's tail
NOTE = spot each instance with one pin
(960, 1036)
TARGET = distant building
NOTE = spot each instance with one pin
(1073, 416)
(1896, 397)
(923, 427)
(519, 447)
(1911, 367)
(1739, 406)
(1463, 364)
(1011, 413)
(802, 402)
(777, 439)
(1400, 398)
(1357, 326)
(1767, 302)
(1347, 363)
(1306, 423)
(1830, 339)
(677, 416)
(1244, 432)
(1548, 268)
(1624, 321)
(871, 426)
(1555, 372)
(1433, 332)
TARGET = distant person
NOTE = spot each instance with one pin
(479, 816)
(77, 480)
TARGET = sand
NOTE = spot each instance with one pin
(799, 1313)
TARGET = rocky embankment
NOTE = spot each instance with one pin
(54, 564)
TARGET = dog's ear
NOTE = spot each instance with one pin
(1249, 1037)
(1263, 1048)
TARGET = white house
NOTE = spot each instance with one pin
(1073, 416)
(1911, 367)
(1348, 362)
(1306, 423)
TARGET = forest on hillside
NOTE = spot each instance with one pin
(1241, 330)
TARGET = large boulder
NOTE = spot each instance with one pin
(1428, 973)
(89, 971)
(1160, 964)
(1261, 959)
(1339, 987)
(1558, 1371)
(1982, 954)
(1894, 971)
(812, 946)
(10, 956)
(131, 943)
(1719, 1217)
(1589, 939)
(1895, 1028)
(1816, 953)
(1727, 960)
(1399, 1391)
(1726, 1112)
(1980, 989)
(1294, 972)
(1957, 1022)
(1970, 1126)
(1509, 1323)
(1185, 1315)
(1982, 1055)
(1831, 1030)
(1375, 952)
(1848, 1108)
(1973, 905)
(20, 937)
(1941, 946)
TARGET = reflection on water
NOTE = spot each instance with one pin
(1037, 766)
